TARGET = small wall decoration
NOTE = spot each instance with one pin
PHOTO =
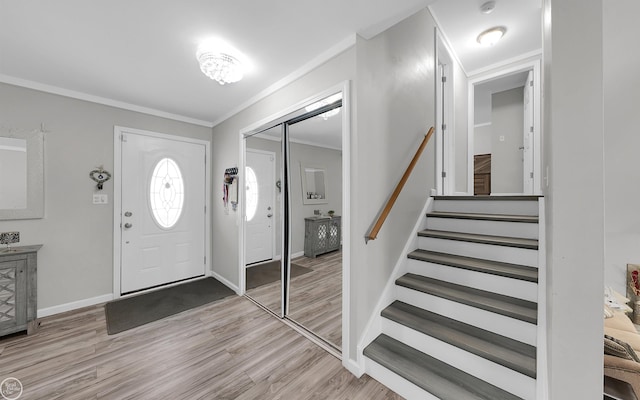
(230, 188)
(100, 176)
(9, 238)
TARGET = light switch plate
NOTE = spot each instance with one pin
(100, 199)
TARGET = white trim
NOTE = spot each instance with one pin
(510, 68)
(373, 328)
(446, 41)
(100, 100)
(226, 282)
(445, 144)
(274, 175)
(74, 305)
(542, 370)
(482, 125)
(320, 59)
(117, 197)
(536, 54)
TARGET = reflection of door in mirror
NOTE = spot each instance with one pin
(263, 258)
(13, 173)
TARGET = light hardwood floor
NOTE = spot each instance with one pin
(230, 349)
(315, 300)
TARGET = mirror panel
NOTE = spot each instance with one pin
(314, 186)
(22, 175)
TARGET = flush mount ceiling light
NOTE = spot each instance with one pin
(491, 36)
(218, 62)
(325, 102)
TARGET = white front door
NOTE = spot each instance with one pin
(163, 211)
(527, 143)
(260, 208)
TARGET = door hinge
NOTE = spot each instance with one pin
(531, 175)
(444, 79)
(205, 260)
(531, 83)
(444, 174)
(444, 127)
(531, 129)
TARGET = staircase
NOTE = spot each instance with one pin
(463, 322)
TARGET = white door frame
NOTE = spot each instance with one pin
(273, 197)
(118, 131)
(346, 200)
(531, 65)
(445, 143)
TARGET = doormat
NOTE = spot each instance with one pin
(270, 272)
(131, 312)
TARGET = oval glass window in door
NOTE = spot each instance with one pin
(252, 193)
(166, 193)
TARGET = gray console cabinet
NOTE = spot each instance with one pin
(18, 289)
(321, 235)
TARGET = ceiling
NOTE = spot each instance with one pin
(141, 54)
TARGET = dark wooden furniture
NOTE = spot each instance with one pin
(482, 174)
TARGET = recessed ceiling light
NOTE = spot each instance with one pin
(491, 36)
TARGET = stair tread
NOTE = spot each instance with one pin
(502, 350)
(484, 216)
(508, 306)
(485, 239)
(432, 375)
(515, 271)
(488, 197)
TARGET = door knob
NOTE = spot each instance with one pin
(128, 225)
(269, 215)
(128, 214)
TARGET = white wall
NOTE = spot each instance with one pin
(507, 124)
(395, 103)
(622, 141)
(573, 156)
(461, 126)
(76, 261)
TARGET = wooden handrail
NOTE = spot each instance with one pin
(394, 196)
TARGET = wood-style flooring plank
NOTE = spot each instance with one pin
(230, 349)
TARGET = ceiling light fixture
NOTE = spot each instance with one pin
(218, 63)
(325, 102)
(491, 36)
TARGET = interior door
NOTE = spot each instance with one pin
(527, 155)
(163, 211)
(260, 182)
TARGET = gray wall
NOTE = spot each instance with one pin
(573, 157)
(507, 121)
(76, 262)
(482, 143)
(395, 103)
(622, 141)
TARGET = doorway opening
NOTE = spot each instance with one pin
(504, 131)
(302, 280)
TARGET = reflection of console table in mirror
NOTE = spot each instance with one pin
(321, 235)
(18, 290)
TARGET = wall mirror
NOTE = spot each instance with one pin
(21, 175)
(314, 184)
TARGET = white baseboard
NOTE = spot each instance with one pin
(354, 367)
(226, 282)
(74, 305)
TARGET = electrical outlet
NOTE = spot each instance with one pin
(100, 199)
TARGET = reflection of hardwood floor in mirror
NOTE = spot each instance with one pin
(268, 295)
(229, 349)
(315, 301)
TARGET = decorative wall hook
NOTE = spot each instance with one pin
(100, 176)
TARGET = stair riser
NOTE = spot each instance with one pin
(495, 374)
(490, 321)
(395, 382)
(511, 207)
(492, 283)
(497, 228)
(513, 255)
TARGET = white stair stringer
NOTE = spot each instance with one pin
(513, 255)
(487, 320)
(479, 280)
(524, 230)
(495, 374)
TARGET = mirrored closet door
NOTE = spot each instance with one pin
(301, 280)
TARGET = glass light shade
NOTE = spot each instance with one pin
(216, 63)
(491, 36)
